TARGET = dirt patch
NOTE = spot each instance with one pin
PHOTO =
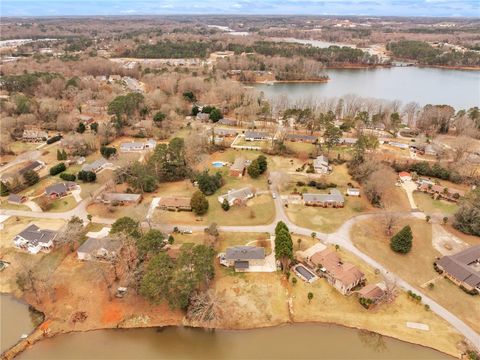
(112, 314)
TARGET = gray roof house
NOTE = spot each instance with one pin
(301, 137)
(60, 189)
(34, 165)
(95, 166)
(237, 196)
(33, 239)
(320, 164)
(99, 249)
(238, 167)
(138, 146)
(333, 199)
(228, 122)
(463, 268)
(242, 257)
(256, 135)
(16, 199)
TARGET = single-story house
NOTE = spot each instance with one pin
(59, 190)
(348, 141)
(463, 268)
(404, 176)
(32, 135)
(224, 132)
(242, 257)
(96, 166)
(33, 239)
(343, 276)
(320, 164)
(442, 192)
(33, 165)
(120, 198)
(227, 122)
(238, 167)
(99, 249)
(372, 292)
(16, 199)
(353, 192)
(138, 146)
(333, 199)
(239, 196)
(173, 203)
(301, 138)
(256, 135)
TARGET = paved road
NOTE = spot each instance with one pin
(340, 237)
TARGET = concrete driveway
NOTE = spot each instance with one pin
(76, 195)
(410, 186)
(33, 206)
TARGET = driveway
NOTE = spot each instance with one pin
(153, 206)
(33, 206)
(410, 186)
(76, 195)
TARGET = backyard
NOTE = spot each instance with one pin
(428, 205)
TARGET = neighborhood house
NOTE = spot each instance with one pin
(99, 249)
(33, 239)
(16, 199)
(353, 192)
(31, 135)
(463, 268)
(238, 167)
(59, 190)
(256, 135)
(301, 138)
(334, 199)
(34, 166)
(138, 146)
(404, 176)
(372, 292)
(96, 166)
(343, 276)
(236, 197)
(173, 203)
(441, 192)
(120, 198)
(242, 257)
(320, 165)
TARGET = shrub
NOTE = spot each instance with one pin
(402, 241)
(54, 139)
(68, 177)
(107, 151)
(57, 169)
(199, 203)
(87, 176)
(31, 177)
(225, 205)
(4, 191)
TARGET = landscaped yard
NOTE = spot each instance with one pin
(239, 239)
(428, 205)
(417, 266)
(63, 204)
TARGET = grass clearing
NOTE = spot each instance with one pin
(4, 204)
(63, 204)
(428, 205)
(415, 267)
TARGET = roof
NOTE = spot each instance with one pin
(353, 190)
(35, 235)
(173, 201)
(333, 196)
(404, 174)
(320, 161)
(121, 197)
(440, 189)
(220, 131)
(33, 134)
(301, 137)
(348, 274)
(242, 264)
(327, 258)
(226, 121)
(31, 166)
(94, 165)
(59, 188)
(460, 265)
(243, 193)
(238, 164)
(245, 253)
(15, 198)
(94, 244)
(371, 291)
(256, 134)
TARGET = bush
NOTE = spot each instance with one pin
(4, 191)
(199, 203)
(107, 152)
(207, 183)
(87, 176)
(225, 205)
(31, 177)
(54, 139)
(402, 241)
(68, 177)
(57, 169)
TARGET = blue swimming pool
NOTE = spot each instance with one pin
(218, 164)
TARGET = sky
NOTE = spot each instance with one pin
(443, 8)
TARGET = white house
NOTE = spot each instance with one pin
(33, 239)
(138, 146)
(320, 164)
(353, 192)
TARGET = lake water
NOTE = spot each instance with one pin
(458, 88)
(306, 341)
(15, 320)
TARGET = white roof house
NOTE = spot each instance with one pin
(320, 164)
(353, 192)
(237, 196)
(138, 146)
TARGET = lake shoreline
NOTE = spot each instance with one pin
(51, 328)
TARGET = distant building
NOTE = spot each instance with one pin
(242, 257)
(301, 138)
(227, 122)
(99, 249)
(236, 197)
(334, 199)
(96, 166)
(173, 203)
(120, 198)
(35, 165)
(430, 150)
(463, 268)
(353, 192)
(33, 239)
(238, 167)
(320, 165)
(256, 135)
(31, 135)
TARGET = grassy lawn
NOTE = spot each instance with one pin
(4, 204)
(236, 239)
(102, 178)
(137, 212)
(261, 144)
(430, 206)
(299, 147)
(258, 211)
(64, 204)
(19, 147)
(417, 266)
(326, 219)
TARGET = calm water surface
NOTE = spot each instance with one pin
(458, 88)
(285, 342)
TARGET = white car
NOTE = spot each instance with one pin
(274, 195)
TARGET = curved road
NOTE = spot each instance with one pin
(340, 237)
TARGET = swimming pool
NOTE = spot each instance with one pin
(305, 273)
(218, 164)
